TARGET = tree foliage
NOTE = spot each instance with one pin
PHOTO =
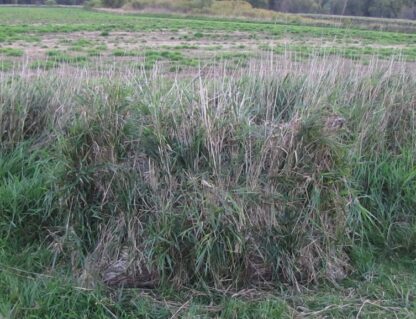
(371, 8)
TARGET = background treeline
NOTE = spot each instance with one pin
(370, 8)
(48, 2)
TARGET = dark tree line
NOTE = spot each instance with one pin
(62, 2)
(369, 8)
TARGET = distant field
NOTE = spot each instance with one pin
(162, 166)
(381, 24)
(45, 38)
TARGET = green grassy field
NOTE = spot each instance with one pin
(80, 37)
(171, 167)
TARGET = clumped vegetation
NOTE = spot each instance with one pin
(259, 180)
(11, 52)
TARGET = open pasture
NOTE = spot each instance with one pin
(45, 38)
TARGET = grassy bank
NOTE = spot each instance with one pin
(230, 188)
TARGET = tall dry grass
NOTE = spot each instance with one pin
(271, 174)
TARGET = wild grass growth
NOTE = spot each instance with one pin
(281, 175)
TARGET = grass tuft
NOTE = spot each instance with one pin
(218, 183)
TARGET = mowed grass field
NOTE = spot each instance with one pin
(44, 38)
(194, 167)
